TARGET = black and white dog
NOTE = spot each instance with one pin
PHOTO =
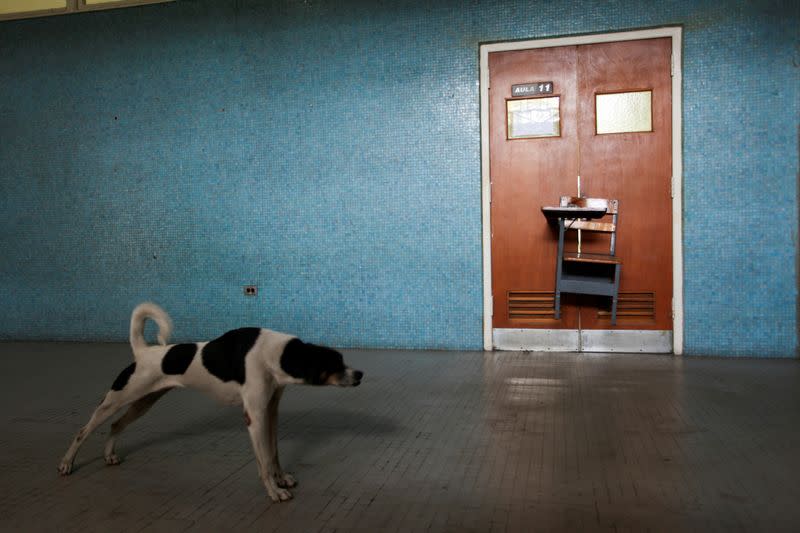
(247, 366)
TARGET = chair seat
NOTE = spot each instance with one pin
(603, 259)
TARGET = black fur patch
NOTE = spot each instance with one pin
(224, 357)
(309, 362)
(178, 358)
(123, 377)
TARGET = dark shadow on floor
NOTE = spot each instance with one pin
(304, 430)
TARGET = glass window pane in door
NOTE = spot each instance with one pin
(533, 117)
(624, 112)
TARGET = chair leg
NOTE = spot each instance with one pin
(557, 299)
(557, 296)
(616, 295)
(557, 304)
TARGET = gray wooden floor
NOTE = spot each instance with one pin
(431, 441)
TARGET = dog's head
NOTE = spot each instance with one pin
(318, 365)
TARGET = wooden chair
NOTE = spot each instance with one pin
(588, 273)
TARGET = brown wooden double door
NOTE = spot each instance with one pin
(633, 167)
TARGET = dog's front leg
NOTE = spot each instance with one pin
(282, 478)
(258, 427)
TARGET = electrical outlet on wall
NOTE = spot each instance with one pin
(250, 290)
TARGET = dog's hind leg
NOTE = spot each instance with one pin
(136, 410)
(110, 405)
(282, 478)
(128, 387)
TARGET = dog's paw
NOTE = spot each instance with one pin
(65, 468)
(285, 480)
(281, 495)
(113, 459)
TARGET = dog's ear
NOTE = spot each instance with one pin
(312, 363)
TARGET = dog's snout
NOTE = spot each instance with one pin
(350, 378)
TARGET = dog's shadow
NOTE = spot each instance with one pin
(301, 431)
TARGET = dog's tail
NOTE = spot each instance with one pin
(140, 314)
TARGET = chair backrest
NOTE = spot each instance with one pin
(611, 207)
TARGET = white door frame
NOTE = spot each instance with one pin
(677, 164)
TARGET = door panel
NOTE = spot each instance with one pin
(632, 167)
(635, 168)
(525, 174)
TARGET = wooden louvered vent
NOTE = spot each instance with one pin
(633, 306)
(531, 305)
(539, 305)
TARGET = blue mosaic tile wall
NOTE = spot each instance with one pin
(329, 152)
